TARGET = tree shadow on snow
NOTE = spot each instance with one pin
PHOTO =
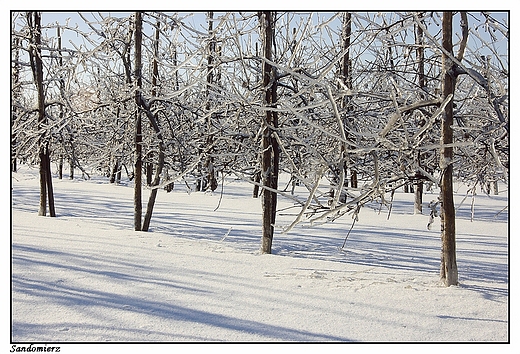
(101, 300)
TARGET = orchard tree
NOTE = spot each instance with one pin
(449, 272)
(270, 149)
(138, 207)
(36, 61)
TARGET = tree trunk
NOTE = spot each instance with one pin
(138, 208)
(153, 192)
(346, 73)
(62, 94)
(154, 121)
(149, 172)
(209, 178)
(257, 174)
(42, 210)
(50, 189)
(256, 187)
(270, 150)
(353, 178)
(71, 165)
(418, 200)
(14, 167)
(115, 176)
(115, 169)
(15, 92)
(449, 273)
(34, 21)
(60, 167)
(419, 41)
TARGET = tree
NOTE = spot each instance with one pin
(421, 82)
(154, 121)
(270, 150)
(346, 77)
(15, 92)
(449, 272)
(208, 180)
(138, 207)
(35, 56)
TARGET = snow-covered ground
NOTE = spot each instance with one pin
(198, 276)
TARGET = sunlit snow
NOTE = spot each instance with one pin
(197, 276)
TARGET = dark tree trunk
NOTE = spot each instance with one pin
(60, 167)
(115, 176)
(154, 121)
(149, 173)
(34, 21)
(270, 149)
(138, 207)
(14, 166)
(418, 200)
(155, 88)
(115, 169)
(42, 210)
(153, 192)
(257, 174)
(72, 166)
(50, 189)
(256, 187)
(346, 73)
(15, 95)
(62, 93)
(209, 178)
(449, 273)
(421, 82)
(353, 179)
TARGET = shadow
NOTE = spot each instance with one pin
(488, 292)
(122, 335)
(470, 319)
(109, 294)
(493, 211)
(484, 258)
(89, 266)
(384, 245)
(78, 204)
(74, 296)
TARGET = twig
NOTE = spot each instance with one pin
(307, 203)
(500, 211)
(391, 203)
(227, 233)
(221, 193)
(352, 226)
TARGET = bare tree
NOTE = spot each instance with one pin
(15, 92)
(154, 121)
(270, 149)
(138, 207)
(346, 77)
(421, 82)
(209, 180)
(449, 272)
(35, 55)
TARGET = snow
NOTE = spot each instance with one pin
(198, 276)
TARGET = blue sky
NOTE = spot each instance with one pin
(74, 18)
